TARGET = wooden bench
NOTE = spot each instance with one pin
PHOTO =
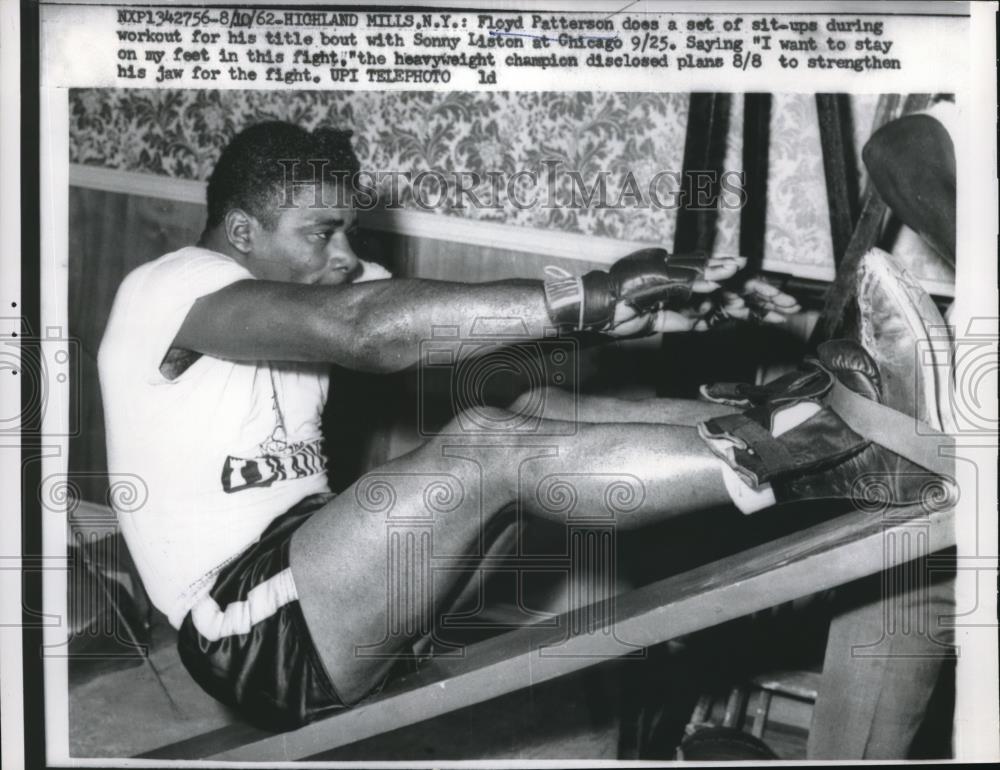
(826, 555)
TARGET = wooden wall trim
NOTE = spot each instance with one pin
(132, 183)
(421, 224)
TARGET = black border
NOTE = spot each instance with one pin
(31, 438)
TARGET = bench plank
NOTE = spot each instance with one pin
(824, 556)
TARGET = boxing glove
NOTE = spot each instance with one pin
(646, 280)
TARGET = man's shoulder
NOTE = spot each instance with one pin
(191, 269)
(153, 299)
(181, 260)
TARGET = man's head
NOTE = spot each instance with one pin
(279, 202)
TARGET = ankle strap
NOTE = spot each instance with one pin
(907, 436)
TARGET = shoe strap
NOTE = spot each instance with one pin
(762, 457)
(907, 436)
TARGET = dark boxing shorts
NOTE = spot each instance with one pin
(247, 644)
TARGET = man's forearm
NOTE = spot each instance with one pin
(390, 319)
(379, 325)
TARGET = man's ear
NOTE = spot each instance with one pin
(240, 230)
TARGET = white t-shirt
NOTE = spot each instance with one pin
(223, 449)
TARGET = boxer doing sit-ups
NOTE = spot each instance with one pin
(214, 368)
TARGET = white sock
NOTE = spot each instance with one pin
(744, 496)
(788, 418)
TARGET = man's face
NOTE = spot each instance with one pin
(308, 244)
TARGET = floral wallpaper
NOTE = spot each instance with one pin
(180, 134)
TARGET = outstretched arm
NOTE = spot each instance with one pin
(376, 326)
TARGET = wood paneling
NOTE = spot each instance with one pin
(110, 234)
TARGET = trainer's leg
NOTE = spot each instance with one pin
(339, 557)
(883, 657)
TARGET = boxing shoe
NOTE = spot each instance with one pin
(866, 420)
(821, 456)
(744, 395)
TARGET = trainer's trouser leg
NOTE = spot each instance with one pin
(883, 657)
(362, 563)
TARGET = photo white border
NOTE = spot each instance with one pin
(11, 651)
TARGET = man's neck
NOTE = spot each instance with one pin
(215, 239)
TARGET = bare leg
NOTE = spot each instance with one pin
(556, 404)
(350, 560)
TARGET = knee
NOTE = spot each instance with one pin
(353, 682)
(488, 462)
(479, 420)
(526, 401)
(540, 401)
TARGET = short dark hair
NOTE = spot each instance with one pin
(250, 174)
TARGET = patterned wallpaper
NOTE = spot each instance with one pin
(180, 134)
